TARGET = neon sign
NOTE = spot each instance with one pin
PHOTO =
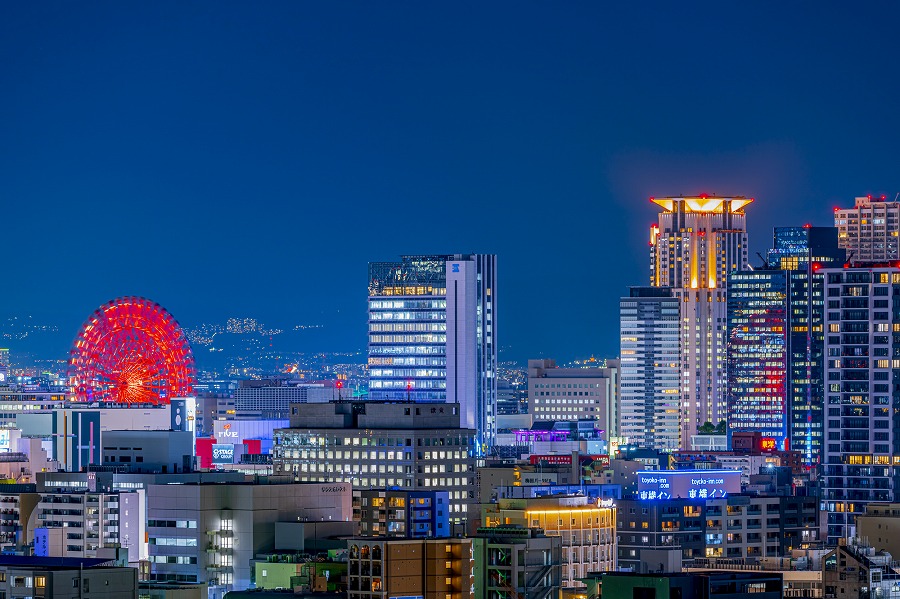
(687, 484)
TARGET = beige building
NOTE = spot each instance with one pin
(879, 527)
(869, 230)
(588, 530)
(574, 393)
(380, 568)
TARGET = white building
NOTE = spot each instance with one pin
(869, 230)
(83, 524)
(211, 532)
(650, 354)
(696, 244)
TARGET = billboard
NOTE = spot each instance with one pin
(223, 453)
(688, 484)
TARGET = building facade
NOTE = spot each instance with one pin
(696, 244)
(573, 393)
(737, 526)
(587, 529)
(776, 341)
(431, 569)
(862, 397)
(869, 230)
(403, 514)
(211, 532)
(432, 335)
(378, 445)
(650, 350)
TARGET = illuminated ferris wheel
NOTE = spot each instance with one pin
(131, 351)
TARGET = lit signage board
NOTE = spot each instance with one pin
(223, 454)
(688, 484)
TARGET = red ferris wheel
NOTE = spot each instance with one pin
(131, 351)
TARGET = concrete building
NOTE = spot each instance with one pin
(518, 562)
(650, 350)
(431, 569)
(432, 335)
(401, 513)
(66, 578)
(857, 570)
(861, 396)
(209, 533)
(587, 529)
(735, 527)
(573, 393)
(695, 585)
(374, 444)
(869, 230)
(697, 243)
(879, 527)
(269, 399)
(149, 451)
(85, 524)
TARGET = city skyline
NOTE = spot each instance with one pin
(279, 145)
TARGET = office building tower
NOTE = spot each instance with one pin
(869, 231)
(377, 445)
(650, 350)
(696, 244)
(776, 341)
(432, 335)
(862, 398)
(572, 393)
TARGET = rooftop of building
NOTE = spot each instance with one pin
(709, 203)
(54, 563)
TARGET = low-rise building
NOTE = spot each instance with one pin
(402, 514)
(210, 532)
(65, 578)
(516, 561)
(693, 585)
(736, 526)
(381, 568)
(857, 570)
(587, 529)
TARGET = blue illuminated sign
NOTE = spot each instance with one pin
(688, 484)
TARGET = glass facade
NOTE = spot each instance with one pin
(408, 329)
(785, 373)
(757, 354)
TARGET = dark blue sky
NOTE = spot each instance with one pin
(229, 158)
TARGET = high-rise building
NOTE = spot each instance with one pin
(862, 398)
(776, 341)
(650, 350)
(432, 335)
(869, 231)
(696, 244)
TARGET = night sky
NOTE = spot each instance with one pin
(249, 159)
